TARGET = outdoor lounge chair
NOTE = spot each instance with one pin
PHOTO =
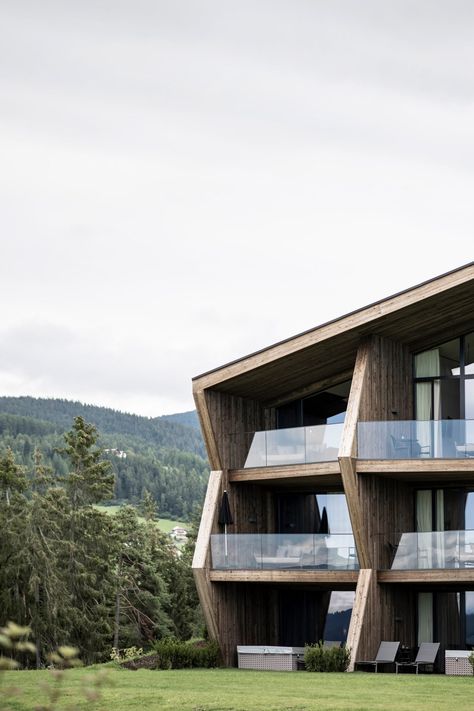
(426, 655)
(386, 655)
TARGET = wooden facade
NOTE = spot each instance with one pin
(373, 348)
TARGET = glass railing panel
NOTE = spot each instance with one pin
(283, 551)
(416, 439)
(435, 550)
(285, 446)
(257, 454)
(295, 445)
(322, 442)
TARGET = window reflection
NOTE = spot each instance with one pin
(444, 379)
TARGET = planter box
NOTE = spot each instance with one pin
(269, 658)
(457, 663)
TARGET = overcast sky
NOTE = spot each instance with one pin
(182, 183)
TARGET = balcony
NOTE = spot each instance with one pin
(416, 439)
(435, 550)
(295, 445)
(278, 551)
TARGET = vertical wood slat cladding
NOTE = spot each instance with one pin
(253, 509)
(234, 419)
(389, 509)
(388, 389)
(247, 614)
(390, 616)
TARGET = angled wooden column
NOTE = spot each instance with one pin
(201, 560)
(347, 453)
(207, 429)
(364, 583)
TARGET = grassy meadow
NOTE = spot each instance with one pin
(242, 690)
(164, 524)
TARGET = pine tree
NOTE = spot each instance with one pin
(141, 594)
(149, 507)
(88, 553)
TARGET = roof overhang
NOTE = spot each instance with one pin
(419, 317)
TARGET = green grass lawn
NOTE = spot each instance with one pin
(164, 524)
(239, 690)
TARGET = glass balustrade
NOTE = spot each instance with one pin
(435, 550)
(416, 439)
(278, 551)
(295, 445)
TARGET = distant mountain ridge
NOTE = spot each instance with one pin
(163, 455)
(180, 431)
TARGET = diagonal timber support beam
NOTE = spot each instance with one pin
(364, 583)
(207, 429)
(347, 454)
(201, 560)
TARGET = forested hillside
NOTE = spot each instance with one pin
(164, 455)
(75, 575)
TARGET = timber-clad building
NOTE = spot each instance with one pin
(347, 454)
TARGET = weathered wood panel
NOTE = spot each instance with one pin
(323, 470)
(416, 466)
(247, 614)
(389, 616)
(365, 580)
(389, 509)
(453, 576)
(335, 579)
(201, 558)
(207, 430)
(347, 451)
(252, 507)
(388, 389)
(234, 420)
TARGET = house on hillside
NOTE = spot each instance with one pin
(179, 533)
(119, 453)
(347, 454)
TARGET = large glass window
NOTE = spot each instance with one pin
(447, 618)
(444, 381)
(313, 513)
(449, 509)
(338, 615)
(324, 408)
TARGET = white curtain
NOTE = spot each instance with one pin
(424, 527)
(425, 617)
(441, 536)
(427, 364)
(428, 402)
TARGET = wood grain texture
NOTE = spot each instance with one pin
(207, 430)
(201, 559)
(456, 575)
(364, 582)
(336, 579)
(415, 466)
(347, 451)
(208, 517)
(300, 471)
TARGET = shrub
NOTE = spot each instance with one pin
(125, 655)
(174, 654)
(318, 658)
